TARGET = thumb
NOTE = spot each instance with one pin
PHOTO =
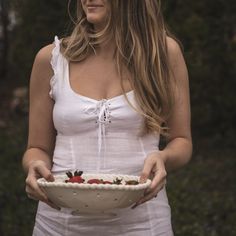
(45, 173)
(145, 172)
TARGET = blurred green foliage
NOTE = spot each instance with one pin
(207, 30)
(38, 22)
(16, 210)
(201, 195)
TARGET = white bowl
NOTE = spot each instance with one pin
(93, 198)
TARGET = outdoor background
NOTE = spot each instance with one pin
(202, 194)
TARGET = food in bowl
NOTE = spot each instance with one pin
(77, 178)
(113, 191)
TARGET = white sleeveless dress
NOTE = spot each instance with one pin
(99, 136)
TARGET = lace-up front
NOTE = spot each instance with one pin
(101, 110)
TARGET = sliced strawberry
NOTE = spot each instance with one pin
(95, 181)
(107, 182)
(131, 182)
(76, 179)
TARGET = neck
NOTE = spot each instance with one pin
(105, 50)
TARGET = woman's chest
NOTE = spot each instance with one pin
(98, 79)
(81, 114)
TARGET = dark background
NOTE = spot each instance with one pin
(202, 194)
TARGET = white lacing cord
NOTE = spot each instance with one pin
(101, 109)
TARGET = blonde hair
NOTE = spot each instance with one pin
(140, 35)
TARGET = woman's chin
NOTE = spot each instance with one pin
(95, 21)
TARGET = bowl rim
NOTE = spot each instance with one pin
(43, 183)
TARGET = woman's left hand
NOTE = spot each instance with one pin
(154, 168)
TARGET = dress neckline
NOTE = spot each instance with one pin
(89, 98)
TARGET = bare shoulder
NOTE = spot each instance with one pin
(172, 46)
(174, 50)
(177, 62)
(44, 55)
(42, 69)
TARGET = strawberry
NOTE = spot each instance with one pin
(76, 178)
(95, 181)
(107, 182)
(131, 182)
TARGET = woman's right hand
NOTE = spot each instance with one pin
(38, 169)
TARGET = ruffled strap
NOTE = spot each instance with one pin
(54, 64)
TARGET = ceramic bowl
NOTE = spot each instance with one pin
(93, 198)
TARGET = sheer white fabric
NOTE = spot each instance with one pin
(99, 136)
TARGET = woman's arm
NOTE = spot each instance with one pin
(37, 158)
(41, 136)
(179, 148)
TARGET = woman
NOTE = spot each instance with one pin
(99, 101)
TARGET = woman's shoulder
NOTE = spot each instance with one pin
(174, 50)
(42, 64)
(44, 55)
(173, 46)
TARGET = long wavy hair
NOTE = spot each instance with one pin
(140, 35)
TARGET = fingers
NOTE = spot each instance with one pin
(35, 193)
(32, 197)
(159, 177)
(32, 188)
(51, 204)
(157, 184)
(153, 167)
(44, 172)
(147, 169)
(149, 195)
